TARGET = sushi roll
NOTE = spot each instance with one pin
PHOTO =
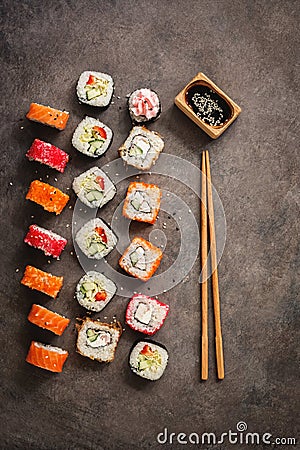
(50, 243)
(42, 281)
(141, 259)
(94, 290)
(94, 188)
(95, 88)
(47, 196)
(144, 106)
(49, 320)
(148, 359)
(98, 340)
(92, 137)
(46, 356)
(142, 202)
(146, 314)
(142, 148)
(95, 239)
(48, 154)
(48, 116)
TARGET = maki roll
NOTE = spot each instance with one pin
(98, 340)
(142, 148)
(92, 137)
(94, 290)
(95, 88)
(141, 259)
(48, 154)
(42, 281)
(47, 196)
(96, 239)
(142, 202)
(144, 106)
(146, 314)
(94, 188)
(148, 359)
(47, 241)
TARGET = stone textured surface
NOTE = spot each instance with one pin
(249, 48)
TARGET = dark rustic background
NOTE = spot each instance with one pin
(251, 50)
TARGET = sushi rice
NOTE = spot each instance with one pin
(95, 239)
(94, 188)
(142, 148)
(95, 88)
(98, 340)
(148, 359)
(146, 314)
(92, 137)
(142, 202)
(94, 291)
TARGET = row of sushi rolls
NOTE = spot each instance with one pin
(98, 340)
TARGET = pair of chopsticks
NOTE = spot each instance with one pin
(208, 224)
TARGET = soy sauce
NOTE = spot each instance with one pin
(208, 105)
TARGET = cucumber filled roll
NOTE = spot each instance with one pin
(142, 202)
(98, 340)
(144, 106)
(94, 188)
(142, 148)
(95, 88)
(146, 314)
(94, 290)
(96, 239)
(92, 137)
(148, 359)
(141, 259)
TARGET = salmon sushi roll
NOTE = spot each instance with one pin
(48, 154)
(142, 202)
(48, 116)
(95, 88)
(142, 148)
(146, 314)
(49, 320)
(94, 188)
(50, 243)
(98, 340)
(47, 196)
(141, 259)
(46, 356)
(42, 281)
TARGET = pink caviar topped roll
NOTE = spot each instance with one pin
(144, 106)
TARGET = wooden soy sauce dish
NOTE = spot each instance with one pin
(207, 105)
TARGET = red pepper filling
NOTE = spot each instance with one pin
(101, 131)
(100, 296)
(100, 181)
(102, 234)
(91, 80)
(146, 351)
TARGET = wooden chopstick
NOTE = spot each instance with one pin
(215, 282)
(204, 285)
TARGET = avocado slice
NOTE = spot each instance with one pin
(93, 93)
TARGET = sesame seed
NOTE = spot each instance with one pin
(17, 270)
(10, 183)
